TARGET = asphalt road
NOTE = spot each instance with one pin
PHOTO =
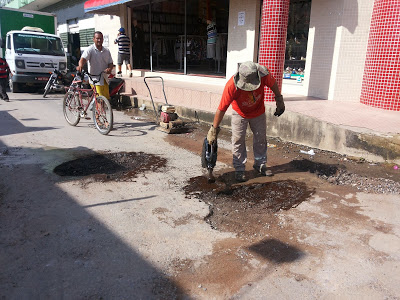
(81, 238)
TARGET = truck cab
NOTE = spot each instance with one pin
(32, 55)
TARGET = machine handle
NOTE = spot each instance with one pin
(162, 81)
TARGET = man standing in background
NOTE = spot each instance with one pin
(4, 74)
(124, 55)
(137, 45)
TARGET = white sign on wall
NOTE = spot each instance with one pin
(241, 18)
(106, 40)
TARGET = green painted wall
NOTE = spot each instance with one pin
(16, 20)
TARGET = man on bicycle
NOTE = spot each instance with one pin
(99, 60)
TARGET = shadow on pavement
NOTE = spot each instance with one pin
(52, 247)
(16, 126)
(276, 251)
(134, 129)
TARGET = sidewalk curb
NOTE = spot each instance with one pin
(308, 131)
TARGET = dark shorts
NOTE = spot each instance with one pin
(123, 58)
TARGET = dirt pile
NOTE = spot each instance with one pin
(339, 175)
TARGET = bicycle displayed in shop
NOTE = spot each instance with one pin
(77, 101)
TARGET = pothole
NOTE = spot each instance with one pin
(247, 209)
(120, 166)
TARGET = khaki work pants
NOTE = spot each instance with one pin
(259, 128)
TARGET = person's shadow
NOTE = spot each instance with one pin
(276, 251)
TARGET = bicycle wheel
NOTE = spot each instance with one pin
(71, 107)
(103, 115)
(48, 86)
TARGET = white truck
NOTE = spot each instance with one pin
(30, 47)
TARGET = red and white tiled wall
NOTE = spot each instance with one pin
(381, 78)
(381, 81)
(274, 22)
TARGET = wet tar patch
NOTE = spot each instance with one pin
(121, 166)
(247, 209)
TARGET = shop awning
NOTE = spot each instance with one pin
(102, 6)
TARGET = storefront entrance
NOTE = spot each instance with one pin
(185, 37)
(297, 38)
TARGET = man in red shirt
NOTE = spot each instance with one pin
(245, 91)
(4, 73)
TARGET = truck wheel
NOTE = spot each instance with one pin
(14, 87)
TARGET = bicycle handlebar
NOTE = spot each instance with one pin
(83, 73)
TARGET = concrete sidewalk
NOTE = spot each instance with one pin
(348, 128)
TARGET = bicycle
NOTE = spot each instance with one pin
(77, 101)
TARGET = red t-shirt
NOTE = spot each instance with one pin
(247, 104)
(4, 69)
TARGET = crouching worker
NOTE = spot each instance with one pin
(245, 91)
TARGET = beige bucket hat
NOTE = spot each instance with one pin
(248, 78)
